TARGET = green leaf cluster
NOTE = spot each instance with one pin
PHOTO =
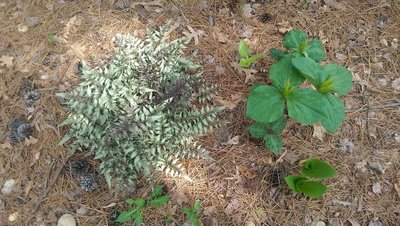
(142, 111)
(311, 168)
(191, 213)
(246, 59)
(317, 104)
(136, 212)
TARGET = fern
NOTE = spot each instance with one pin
(142, 111)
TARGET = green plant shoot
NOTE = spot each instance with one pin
(191, 213)
(136, 213)
(311, 169)
(246, 60)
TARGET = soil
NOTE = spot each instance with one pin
(42, 41)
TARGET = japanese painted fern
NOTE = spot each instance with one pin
(141, 111)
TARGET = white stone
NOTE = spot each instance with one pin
(13, 217)
(66, 220)
(8, 186)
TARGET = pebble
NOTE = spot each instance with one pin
(8, 186)
(319, 223)
(18, 201)
(32, 21)
(22, 28)
(66, 220)
(13, 217)
(81, 211)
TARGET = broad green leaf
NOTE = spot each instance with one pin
(315, 50)
(294, 39)
(244, 49)
(51, 37)
(257, 130)
(160, 201)
(334, 113)
(283, 71)
(306, 106)
(255, 57)
(197, 205)
(273, 142)
(313, 189)
(130, 201)
(139, 218)
(126, 216)
(341, 79)
(265, 104)
(308, 68)
(157, 191)
(187, 211)
(276, 54)
(140, 202)
(293, 181)
(277, 126)
(317, 169)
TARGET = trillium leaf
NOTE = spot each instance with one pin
(312, 189)
(244, 49)
(273, 142)
(265, 104)
(316, 168)
(315, 50)
(276, 54)
(140, 202)
(334, 113)
(341, 79)
(244, 63)
(293, 181)
(294, 39)
(277, 126)
(257, 130)
(283, 71)
(306, 106)
(308, 68)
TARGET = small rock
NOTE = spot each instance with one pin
(209, 59)
(13, 217)
(318, 223)
(395, 44)
(18, 201)
(335, 222)
(247, 10)
(211, 21)
(22, 28)
(377, 188)
(120, 4)
(81, 211)
(396, 84)
(8, 186)
(382, 82)
(375, 222)
(384, 42)
(340, 56)
(32, 21)
(247, 32)
(66, 220)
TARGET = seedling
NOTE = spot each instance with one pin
(267, 104)
(246, 60)
(311, 169)
(191, 213)
(135, 213)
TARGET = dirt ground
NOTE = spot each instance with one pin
(236, 188)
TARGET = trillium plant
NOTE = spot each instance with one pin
(305, 183)
(301, 89)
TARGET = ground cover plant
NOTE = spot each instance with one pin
(191, 213)
(311, 169)
(136, 214)
(137, 114)
(287, 96)
(246, 59)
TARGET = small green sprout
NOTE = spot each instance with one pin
(191, 213)
(135, 213)
(246, 60)
(311, 168)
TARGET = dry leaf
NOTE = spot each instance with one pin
(6, 61)
(247, 172)
(181, 198)
(31, 140)
(353, 222)
(396, 84)
(209, 210)
(377, 188)
(319, 132)
(334, 4)
(397, 186)
(232, 206)
(248, 72)
(233, 141)
(219, 35)
(195, 34)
